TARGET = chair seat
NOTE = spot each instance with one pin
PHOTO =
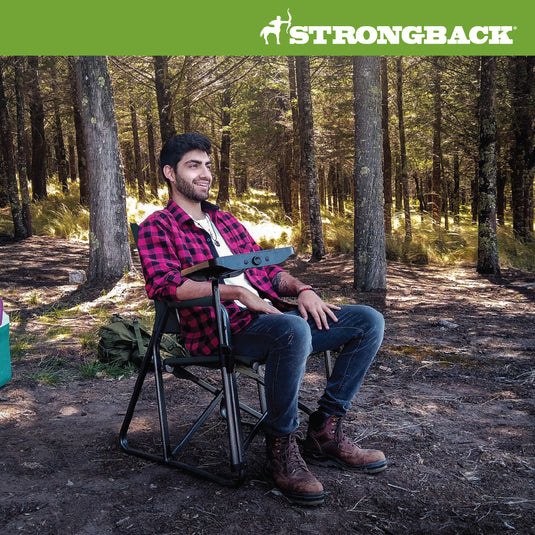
(210, 361)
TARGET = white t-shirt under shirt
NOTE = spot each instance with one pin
(223, 250)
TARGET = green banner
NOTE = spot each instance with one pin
(292, 27)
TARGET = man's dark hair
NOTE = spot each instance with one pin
(175, 148)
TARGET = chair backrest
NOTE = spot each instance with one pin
(134, 227)
(172, 324)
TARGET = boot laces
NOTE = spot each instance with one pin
(288, 452)
(337, 433)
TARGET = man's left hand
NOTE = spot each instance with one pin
(311, 304)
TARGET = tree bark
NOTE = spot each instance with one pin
(59, 142)
(487, 253)
(163, 97)
(295, 146)
(22, 145)
(224, 175)
(387, 153)
(435, 195)
(306, 129)
(523, 152)
(37, 120)
(72, 159)
(80, 140)
(138, 164)
(109, 249)
(456, 189)
(403, 153)
(153, 167)
(9, 163)
(501, 181)
(370, 255)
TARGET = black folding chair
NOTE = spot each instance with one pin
(224, 397)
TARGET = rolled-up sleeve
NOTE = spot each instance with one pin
(159, 258)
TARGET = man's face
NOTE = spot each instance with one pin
(193, 176)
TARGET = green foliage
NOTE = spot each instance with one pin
(95, 369)
(50, 371)
(514, 253)
(338, 234)
(61, 215)
(263, 215)
(20, 344)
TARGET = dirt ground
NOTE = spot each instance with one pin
(449, 399)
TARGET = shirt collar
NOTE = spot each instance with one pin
(181, 216)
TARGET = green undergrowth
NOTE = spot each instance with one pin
(262, 213)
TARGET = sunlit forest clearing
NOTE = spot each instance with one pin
(61, 215)
(444, 195)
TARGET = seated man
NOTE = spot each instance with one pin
(190, 230)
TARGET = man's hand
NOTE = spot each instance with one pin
(310, 303)
(255, 303)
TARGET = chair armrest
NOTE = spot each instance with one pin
(188, 303)
(222, 267)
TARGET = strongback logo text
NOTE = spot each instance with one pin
(383, 35)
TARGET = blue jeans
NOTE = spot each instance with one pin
(285, 342)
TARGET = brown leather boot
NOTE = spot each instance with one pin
(287, 469)
(326, 445)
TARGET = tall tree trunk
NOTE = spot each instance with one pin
(22, 145)
(223, 196)
(435, 204)
(240, 176)
(9, 163)
(398, 186)
(186, 99)
(295, 145)
(523, 153)
(370, 255)
(283, 154)
(403, 153)
(138, 164)
(37, 119)
(163, 97)
(59, 142)
(501, 181)
(306, 123)
(109, 248)
(474, 190)
(445, 200)
(419, 185)
(80, 140)
(72, 159)
(4, 197)
(487, 252)
(286, 172)
(153, 167)
(456, 189)
(387, 153)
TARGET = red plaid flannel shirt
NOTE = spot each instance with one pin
(169, 241)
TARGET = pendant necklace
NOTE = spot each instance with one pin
(210, 228)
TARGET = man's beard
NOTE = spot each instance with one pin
(188, 190)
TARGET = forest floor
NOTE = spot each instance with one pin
(449, 399)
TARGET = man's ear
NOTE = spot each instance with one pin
(169, 172)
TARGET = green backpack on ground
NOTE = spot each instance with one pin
(124, 341)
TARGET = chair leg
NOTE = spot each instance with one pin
(228, 392)
(142, 374)
(328, 363)
(237, 452)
